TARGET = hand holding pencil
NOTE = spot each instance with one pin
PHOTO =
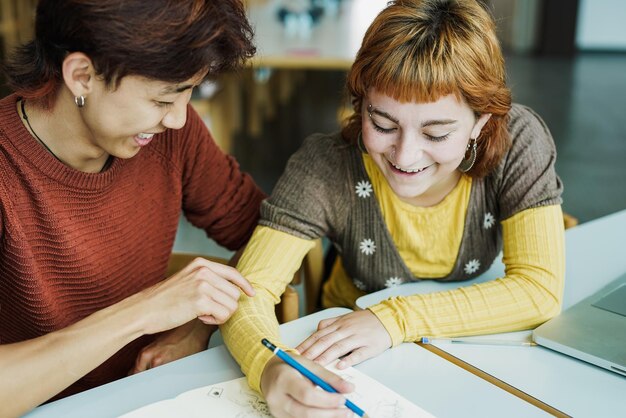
(289, 395)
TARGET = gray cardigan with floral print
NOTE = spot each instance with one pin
(325, 191)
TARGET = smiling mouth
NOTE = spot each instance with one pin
(143, 139)
(145, 136)
(408, 171)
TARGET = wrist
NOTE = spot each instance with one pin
(389, 321)
(124, 320)
(266, 375)
(201, 331)
(137, 317)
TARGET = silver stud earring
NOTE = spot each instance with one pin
(80, 101)
(467, 163)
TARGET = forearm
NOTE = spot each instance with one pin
(46, 365)
(529, 294)
(505, 305)
(269, 263)
(33, 371)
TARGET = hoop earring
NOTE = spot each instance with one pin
(360, 145)
(80, 101)
(467, 163)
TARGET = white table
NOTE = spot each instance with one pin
(595, 256)
(429, 381)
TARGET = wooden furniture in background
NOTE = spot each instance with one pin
(17, 19)
(569, 220)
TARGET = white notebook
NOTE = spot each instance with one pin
(235, 399)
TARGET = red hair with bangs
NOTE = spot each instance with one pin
(421, 50)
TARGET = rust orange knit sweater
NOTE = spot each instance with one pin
(72, 243)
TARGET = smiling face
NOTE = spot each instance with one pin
(121, 121)
(419, 146)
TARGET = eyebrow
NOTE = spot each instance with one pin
(438, 122)
(176, 89)
(385, 115)
(432, 122)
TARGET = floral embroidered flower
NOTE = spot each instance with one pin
(367, 246)
(393, 281)
(472, 266)
(488, 221)
(364, 189)
(359, 284)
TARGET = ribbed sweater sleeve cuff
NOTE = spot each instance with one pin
(392, 324)
(260, 361)
(244, 331)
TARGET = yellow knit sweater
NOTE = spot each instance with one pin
(530, 292)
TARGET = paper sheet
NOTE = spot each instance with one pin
(235, 399)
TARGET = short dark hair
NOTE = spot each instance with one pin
(166, 40)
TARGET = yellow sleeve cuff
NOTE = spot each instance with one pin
(387, 316)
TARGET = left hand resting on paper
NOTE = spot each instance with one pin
(174, 344)
(359, 334)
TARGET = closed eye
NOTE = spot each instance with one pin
(164, 104)
(381, 129)
(437, 138)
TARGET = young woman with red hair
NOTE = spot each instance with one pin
(434, 174)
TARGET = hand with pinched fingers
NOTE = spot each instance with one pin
(353, 337)
(290, 395)
(203, 289)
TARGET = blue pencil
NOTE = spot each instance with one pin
(310, 375)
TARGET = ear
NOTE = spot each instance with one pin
(480, 123)
(78, 73)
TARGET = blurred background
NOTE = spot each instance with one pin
(565, 58)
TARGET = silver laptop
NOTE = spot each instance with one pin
(593, 330)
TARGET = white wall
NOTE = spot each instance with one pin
(601, 25)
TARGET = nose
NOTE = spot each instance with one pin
(408, 150)
(176, 116)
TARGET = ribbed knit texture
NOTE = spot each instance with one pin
(266, 267)
(74, 243)
(326, 191)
